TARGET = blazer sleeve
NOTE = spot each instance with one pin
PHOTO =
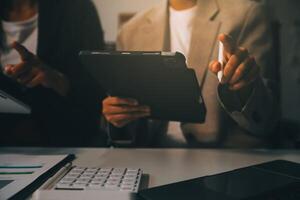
(260, 112)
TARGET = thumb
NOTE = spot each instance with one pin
(215, 67)
(23, 52)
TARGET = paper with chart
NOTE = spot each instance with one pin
(17, 171)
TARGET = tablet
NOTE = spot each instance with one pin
(277, 179)
(160, 80)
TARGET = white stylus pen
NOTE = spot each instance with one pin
(221, 60)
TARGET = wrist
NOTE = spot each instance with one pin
(59, 83)
(245, 93)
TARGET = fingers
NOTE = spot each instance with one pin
(37, 80)
(249, 78)
(215, 67)
(113, 110)
(242, 69)
(121, 111)
(121, 120)
(25, 74)
(120, 101)
(23, 52)
(228, 42)
(16, 70)
(27, 77)
(235, 60)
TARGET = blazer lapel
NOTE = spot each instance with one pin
(204, 37)
(155, 31)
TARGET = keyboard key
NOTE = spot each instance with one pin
(99, 179)
(79, 184)
(118, 171)
(101, 175)
(105, 170)
(97, 182)
(128, 176)
(86, 175)
(92, 171)
(116, 176)
(132, 170)
(112, 182)
(83, 179)
(132, 173)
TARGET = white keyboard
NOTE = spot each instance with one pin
(112, 179)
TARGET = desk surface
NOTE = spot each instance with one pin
(166, 165)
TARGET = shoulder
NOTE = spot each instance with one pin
(139, 19)
(240, 9)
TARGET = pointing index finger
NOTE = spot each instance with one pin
(228, 42)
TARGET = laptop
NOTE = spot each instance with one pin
(10, 94)
(9, 104)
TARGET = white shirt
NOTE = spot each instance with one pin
(24, 32)
(181, 24)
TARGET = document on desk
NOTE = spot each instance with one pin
(18, 171)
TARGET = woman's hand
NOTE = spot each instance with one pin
(32, 72)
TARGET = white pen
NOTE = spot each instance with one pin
(221, 60)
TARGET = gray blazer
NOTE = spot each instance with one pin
(228, 123)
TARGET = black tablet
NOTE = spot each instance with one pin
(272, 180)
(160, 80)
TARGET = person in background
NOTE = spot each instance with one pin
(241, 110)
(39, 46)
